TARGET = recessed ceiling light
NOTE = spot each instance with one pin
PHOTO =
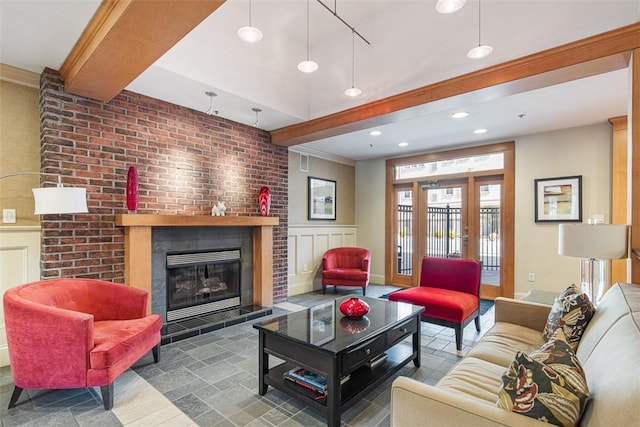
(375, 133)
(459, 115)
(403, 144)
(481, 130)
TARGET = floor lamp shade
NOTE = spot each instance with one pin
(60, 200)
(593, 244)
(598, 241)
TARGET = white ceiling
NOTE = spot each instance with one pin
(411, 46)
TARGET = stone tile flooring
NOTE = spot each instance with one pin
(211, 380)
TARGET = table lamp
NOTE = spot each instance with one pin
(594, 244)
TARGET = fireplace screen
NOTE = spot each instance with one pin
(202, 282)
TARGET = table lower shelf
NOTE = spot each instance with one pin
(361, 381)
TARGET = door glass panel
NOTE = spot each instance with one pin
(444, 222)
(490, 228)
(404, 229)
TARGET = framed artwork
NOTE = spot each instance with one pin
(558, 199)
(322, 323)
(322, 198)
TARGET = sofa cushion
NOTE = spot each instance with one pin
(547, 385)
(115, 339)
(503, 341)
(475, 378)
(572, 312)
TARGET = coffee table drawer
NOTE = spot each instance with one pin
(401, 331)
(363, 353)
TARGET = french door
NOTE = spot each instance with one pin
(467, 214)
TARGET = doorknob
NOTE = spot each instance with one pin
(464, 238)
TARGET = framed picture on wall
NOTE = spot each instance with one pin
(558, 199)
(322, 198)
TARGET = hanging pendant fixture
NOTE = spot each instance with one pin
(353, 91)
(481, 50)
(250, 34)
(257, 111)
(210, 110)
(307, 66)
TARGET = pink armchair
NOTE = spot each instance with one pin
(449, 291)
(73, 333)
(346, 267)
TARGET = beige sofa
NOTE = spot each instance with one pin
(609, 352)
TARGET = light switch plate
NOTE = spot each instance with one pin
(9, 216)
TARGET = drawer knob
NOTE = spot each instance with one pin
(403, 330)
(367, 351)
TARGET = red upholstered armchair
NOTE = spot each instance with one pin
(449, 291)
(346, 267)
(75, 333)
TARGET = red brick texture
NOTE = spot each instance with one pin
(186, 161)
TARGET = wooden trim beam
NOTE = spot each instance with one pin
(634, 120)
(587, 57)
(124, 38)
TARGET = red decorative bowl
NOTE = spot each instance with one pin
(354, 308)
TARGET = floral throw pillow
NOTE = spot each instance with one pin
(548, 385)
(571, 312)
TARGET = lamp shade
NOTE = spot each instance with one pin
(597, 241)
(60, 200)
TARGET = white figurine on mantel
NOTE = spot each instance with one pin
(218, 210)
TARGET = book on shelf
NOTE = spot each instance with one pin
(310, 379)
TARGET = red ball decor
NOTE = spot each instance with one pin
(354, 308)
(132, 189)
(264, 198)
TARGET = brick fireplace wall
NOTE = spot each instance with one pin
(186, 161)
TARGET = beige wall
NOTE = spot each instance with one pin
(343, 174)
(582, 151)
(19, 143)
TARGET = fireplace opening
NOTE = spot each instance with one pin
(202, 282)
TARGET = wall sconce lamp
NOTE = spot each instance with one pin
(594, 243)
(58, 199)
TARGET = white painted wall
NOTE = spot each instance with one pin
(582, 151)
(19, 263)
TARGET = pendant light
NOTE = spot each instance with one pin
(481, 50)
(210, 110)
(449, 6)
(307, 66)
(257, 111)
(353, 91)
(250, 34)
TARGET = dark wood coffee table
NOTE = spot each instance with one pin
(354, 356)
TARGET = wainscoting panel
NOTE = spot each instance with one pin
(307, 244)
(19, 263)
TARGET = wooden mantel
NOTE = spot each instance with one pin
(138, 252)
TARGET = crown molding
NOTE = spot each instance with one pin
(19, 76)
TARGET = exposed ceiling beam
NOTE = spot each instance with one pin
(587, 57)
(124, 38)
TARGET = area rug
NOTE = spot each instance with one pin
(485, 304)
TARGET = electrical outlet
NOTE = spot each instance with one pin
(9, 216)
(304, 268)
(532, 277)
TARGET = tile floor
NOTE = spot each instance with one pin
(211, 380)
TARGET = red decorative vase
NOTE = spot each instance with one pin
(132, 189)
(354, 308)
(264, 198)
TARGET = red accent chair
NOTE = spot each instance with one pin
(76, 333)
(449, 291)
(346, 267)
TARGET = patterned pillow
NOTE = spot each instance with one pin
(544, 387)
(571, 312)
